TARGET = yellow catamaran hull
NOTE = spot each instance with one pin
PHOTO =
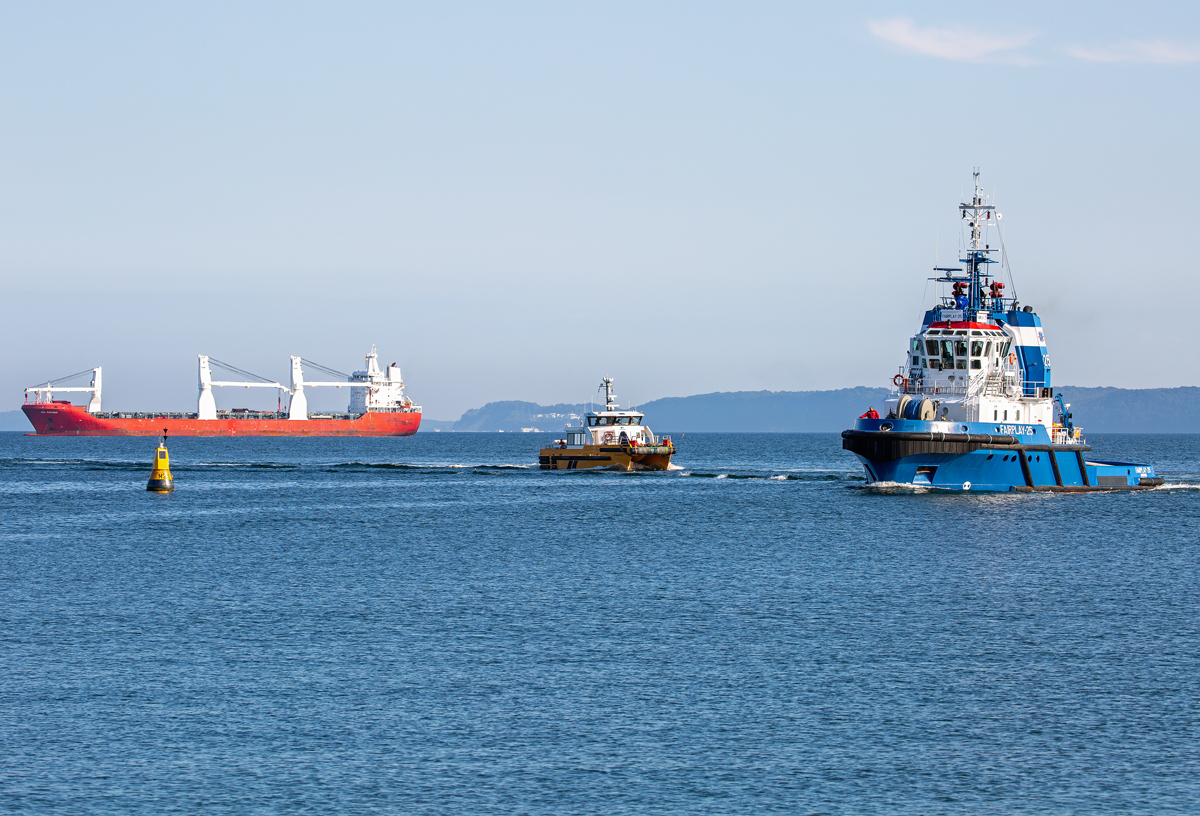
(651, 457)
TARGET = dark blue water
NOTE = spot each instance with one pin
(429, 625)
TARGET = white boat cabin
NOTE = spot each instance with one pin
(609, 427)
(971, 373)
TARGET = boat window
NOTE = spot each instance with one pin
(1006, 415)
(976, 364)
(987, 352)
(960, 348)
(916, 344)
(934, 363)
(1018, 419)
(995, 415)
(976, 348)
(916, 362)
(961, 332)
(935, 331)
(947, 354)
(961, 364)
(931, 347)
(592, 420)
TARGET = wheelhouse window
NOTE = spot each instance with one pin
(977, 364)
(977, 348)
(960, 348)
(931, 348)
(961, 364)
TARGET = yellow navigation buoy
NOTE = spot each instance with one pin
(160, 477)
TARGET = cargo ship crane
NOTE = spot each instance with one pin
(45, 393)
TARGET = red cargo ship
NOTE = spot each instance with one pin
(378, 407)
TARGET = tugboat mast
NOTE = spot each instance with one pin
(970, 293)
(978, 213)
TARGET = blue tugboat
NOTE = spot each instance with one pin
(972, 406)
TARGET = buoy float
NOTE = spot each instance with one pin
(160, 476)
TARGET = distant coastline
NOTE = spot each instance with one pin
(1096, 410)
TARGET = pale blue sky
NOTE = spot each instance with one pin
(759, 185)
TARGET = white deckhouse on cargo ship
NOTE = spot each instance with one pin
(972, 407)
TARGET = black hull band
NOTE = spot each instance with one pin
(887, 446)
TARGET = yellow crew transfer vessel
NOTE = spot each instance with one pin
(608, 439)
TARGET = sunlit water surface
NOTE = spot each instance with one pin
(432, 625)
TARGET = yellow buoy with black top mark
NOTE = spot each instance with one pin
(160, 477)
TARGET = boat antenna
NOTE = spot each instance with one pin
(1004, 261)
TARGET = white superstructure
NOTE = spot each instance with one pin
(610, 426)
(379, 390)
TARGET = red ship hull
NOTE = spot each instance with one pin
(65, 419)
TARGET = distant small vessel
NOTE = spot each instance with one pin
(608, 439)
(378, 407)
(972, 407)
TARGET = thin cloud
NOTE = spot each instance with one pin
(953, 43)
(1159, 52)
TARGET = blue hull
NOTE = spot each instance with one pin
(984, 456)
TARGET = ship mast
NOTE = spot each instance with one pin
(610, 399)
(979, 214)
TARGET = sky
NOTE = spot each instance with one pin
(514, 200)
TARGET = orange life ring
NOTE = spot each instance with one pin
(608, 437)
(1012, 358)
(900, 381)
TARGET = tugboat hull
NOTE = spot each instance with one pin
(975, 456)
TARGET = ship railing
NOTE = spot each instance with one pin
(918, 387)
(1067, 436)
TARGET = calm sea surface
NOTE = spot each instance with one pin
(432, 625)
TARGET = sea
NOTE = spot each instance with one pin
(433, 625)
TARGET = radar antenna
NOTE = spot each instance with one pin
(610, 399)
